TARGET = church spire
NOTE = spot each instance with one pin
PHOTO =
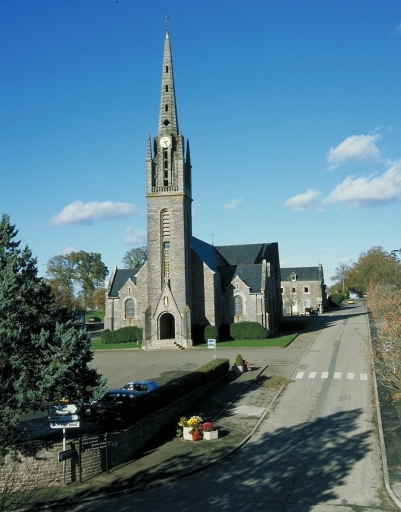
(168, 120)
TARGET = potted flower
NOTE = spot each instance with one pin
(208, 433)
(239, 366)
(191, 429)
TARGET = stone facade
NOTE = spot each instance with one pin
(303, 290)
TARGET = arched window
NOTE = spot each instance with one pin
(130, 308)
(238, 305)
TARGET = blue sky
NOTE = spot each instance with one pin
(292, 110)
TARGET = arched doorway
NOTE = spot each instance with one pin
(167, 326)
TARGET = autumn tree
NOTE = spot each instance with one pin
(374, 266)
(77, 270)
(136, 257)
(99, 299)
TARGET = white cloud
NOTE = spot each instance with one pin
(233, 204)
(369, 190)
(357, 147)
(303, 201)
(88, 213)
(135, 236)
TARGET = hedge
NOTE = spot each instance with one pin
(128, 334)
(248, 331)
(146, 404)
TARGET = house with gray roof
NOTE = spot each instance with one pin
(187, 282)
(303, 290)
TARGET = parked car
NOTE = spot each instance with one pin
(350, 301)
(141, 386)
(116, 403)
(94, 319)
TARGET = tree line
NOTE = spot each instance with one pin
(376, 276)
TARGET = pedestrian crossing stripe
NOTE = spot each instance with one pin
(336, 375)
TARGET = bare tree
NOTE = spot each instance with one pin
(341, 273)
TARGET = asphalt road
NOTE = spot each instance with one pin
(317, 450)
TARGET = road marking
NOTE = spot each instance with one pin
(336, 375)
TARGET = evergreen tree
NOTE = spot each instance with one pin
(42, 355)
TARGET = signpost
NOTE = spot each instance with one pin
(63, 416)
(212, 344)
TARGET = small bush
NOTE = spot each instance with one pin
(107, 336)
(210, 333)
(336, 298)
(239, 361)
(248, 331)
(129, 334)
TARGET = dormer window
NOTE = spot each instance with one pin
(166, 69)
(293, 277)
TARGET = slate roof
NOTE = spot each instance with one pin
(303, 273)
(208, 254)
(251, 254)
(121, 277)
(250, 274)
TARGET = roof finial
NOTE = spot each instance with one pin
(167, 22)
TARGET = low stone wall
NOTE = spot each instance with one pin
(37, 464)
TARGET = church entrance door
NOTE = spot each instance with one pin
(167, 326)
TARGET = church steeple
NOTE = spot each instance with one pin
(168, 120)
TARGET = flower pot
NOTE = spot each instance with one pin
(209, 436)
(186, 433)
(239, 369)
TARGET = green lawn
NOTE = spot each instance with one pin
(277, 341)
(98, 345)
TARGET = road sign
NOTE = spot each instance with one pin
(65, 417)
(65, 424)
(62, 409)
(211, 343)
(66, 454)
(93, 443)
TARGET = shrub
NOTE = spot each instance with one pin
(210, 332)
(107, 336)
(239, 360)
(127, 334)
(248, 331)
(336, 298)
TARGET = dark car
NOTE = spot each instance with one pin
(141, 386)
(94, 320)
(116, 403)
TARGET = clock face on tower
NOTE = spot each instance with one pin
(165, 142)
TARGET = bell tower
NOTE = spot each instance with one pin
(169, 216)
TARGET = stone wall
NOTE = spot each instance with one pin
(37, 464)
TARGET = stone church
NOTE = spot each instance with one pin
(186, 282)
